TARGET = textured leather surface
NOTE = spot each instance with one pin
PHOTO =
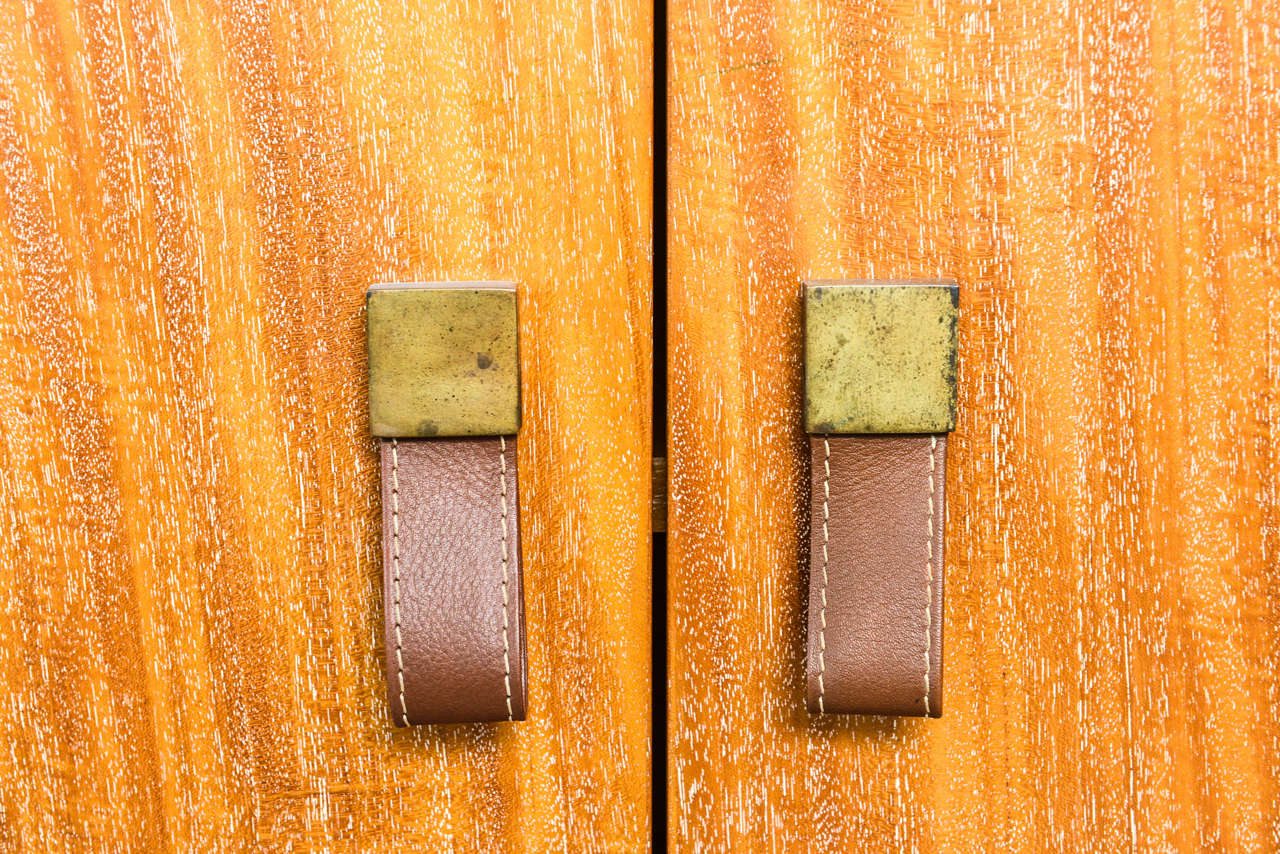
(454, 636)
(875, 646)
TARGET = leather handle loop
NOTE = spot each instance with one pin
(876, 574)
(454, 592)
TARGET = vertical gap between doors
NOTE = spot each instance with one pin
(658, 780)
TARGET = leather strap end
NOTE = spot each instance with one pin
(455, 636)
(876, 574)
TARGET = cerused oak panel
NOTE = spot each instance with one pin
(1102, 179)
(193, 198)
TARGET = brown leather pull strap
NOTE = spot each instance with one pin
(880, 397)
(875, 574)
(454, 594)
(444, 398)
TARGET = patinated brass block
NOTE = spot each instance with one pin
(444, 360)
(880, 357)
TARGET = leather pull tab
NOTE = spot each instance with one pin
(880, 377)
(875, 577)
(452, 577)
(444, 400)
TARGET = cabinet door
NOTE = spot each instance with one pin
(1101, 179)
(193, 199)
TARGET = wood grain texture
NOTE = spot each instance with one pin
(1103, 179)
(193, 198)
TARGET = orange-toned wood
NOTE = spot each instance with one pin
(1104, 180)
(193, 199)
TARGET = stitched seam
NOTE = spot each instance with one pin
(928, 572)
(826, 539)
(395, 566)
(506, 646)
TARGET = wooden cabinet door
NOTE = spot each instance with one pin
(1103, 181)
(193, 199)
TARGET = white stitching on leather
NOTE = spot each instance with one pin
(928, 571)
(822, 610)
(395, 566)
(506, 647)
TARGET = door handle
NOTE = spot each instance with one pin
(880, 391)
(444, 401)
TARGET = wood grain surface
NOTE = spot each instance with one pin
(193, 198)
(1103, 178)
